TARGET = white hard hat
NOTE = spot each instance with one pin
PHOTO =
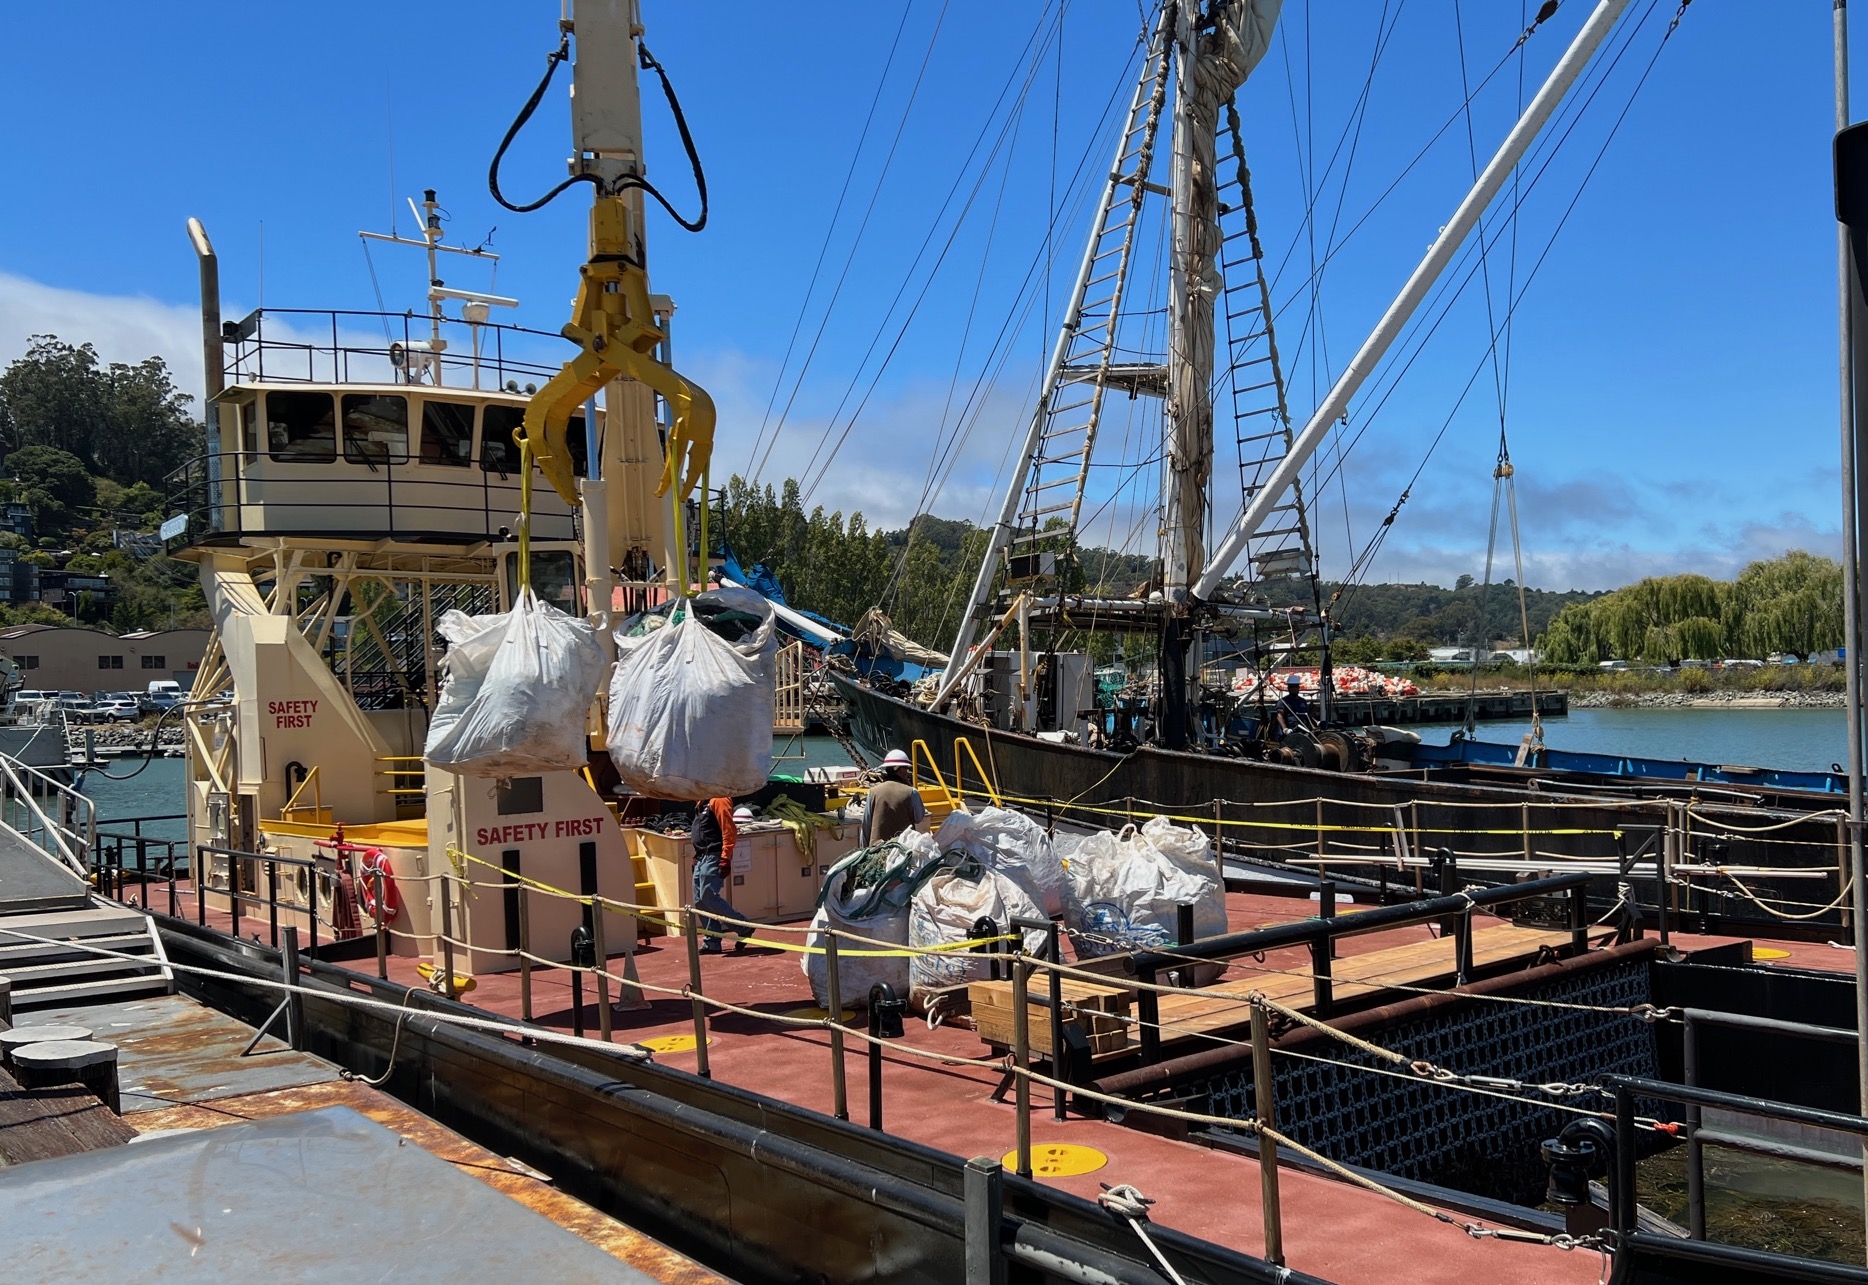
(895, 758)
(742, 813)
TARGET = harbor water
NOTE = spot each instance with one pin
(1800, 739)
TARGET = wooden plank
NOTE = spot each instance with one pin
(44, 1124)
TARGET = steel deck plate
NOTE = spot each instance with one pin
(230, 1204)
(30, 880)
(173, 1050)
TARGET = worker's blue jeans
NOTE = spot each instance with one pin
(709, 878)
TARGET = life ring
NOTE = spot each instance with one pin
(372, 862)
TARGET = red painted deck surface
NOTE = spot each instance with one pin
(1331, 1229)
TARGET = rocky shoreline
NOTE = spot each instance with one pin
(1706, 700)
(110, 736)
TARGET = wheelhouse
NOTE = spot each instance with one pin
(408, 462)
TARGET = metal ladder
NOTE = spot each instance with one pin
(1253, 375)
(1073, 398)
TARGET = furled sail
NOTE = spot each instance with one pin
(1215, 57)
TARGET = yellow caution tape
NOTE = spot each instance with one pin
(1307, 827)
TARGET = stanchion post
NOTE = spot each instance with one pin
(1056, 978)
(294, 1001)
(382, 928)
(694, 993)
(1267, 1146)
(833, 985)
(447, 940)
(1021, 1055)
(984, 1189)
(272, 900)
(525, 958)
(603, 968)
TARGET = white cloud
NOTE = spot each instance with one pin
(124, 328)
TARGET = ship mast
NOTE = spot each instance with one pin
(1213, 52)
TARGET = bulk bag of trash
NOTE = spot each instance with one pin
(866, 895)
(517, 690)
(1129, 887)
(690, 710)
(1014, 845)
(944, 910)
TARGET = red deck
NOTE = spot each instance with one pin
(1331, 1229)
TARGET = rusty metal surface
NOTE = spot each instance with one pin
(217, 1204)
(520, 1182)
(174, 1050)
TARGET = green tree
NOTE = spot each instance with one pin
(56, 486)
(126, 422)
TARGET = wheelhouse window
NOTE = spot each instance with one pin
(249, 428)
(498, 453)
(301, 427)
(376, 428)
(447, 432)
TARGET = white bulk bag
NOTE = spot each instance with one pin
(1014, 845)
(944, 910)
(879, 911)
(517, 692)
(1129, 887)
(691, 713)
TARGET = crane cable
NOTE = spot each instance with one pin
(648, 62)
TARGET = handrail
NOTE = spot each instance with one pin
(67, 838)
(989, 781)
(919, 750)
(317, 796)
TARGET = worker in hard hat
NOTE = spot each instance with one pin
(894, 804)
(713, 833)
(1293, 711)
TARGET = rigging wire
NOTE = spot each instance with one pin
(1550, 244)
(927, 283)
(754, 461)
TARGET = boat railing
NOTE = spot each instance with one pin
(123, 858)
(229, 493)
(334, 346)
(1695, 1257)
(47, 813)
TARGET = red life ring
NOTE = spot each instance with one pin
(371, 863)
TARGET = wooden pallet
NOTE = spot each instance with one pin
(1098, 1011)
(1422, 963)
(1196, 1012)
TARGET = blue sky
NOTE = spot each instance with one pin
(1672, 394)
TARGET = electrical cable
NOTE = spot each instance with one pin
(647, 62)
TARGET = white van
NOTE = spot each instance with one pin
(168, 685)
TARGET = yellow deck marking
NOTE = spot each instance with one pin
(1060, 1160)
(670, 1043)
(1769, 952)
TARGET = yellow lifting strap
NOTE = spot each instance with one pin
(614, 323)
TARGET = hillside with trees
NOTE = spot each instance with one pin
(88, 445)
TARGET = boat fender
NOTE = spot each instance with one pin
(370, 863)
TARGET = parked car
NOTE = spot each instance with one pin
(158, 702)
(118, 708)
(77, 707)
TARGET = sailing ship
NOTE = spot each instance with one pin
(325, 564)
(1027, 711)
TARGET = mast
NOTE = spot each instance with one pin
(1214, 52)
(1388, 329)
(1851, 550)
